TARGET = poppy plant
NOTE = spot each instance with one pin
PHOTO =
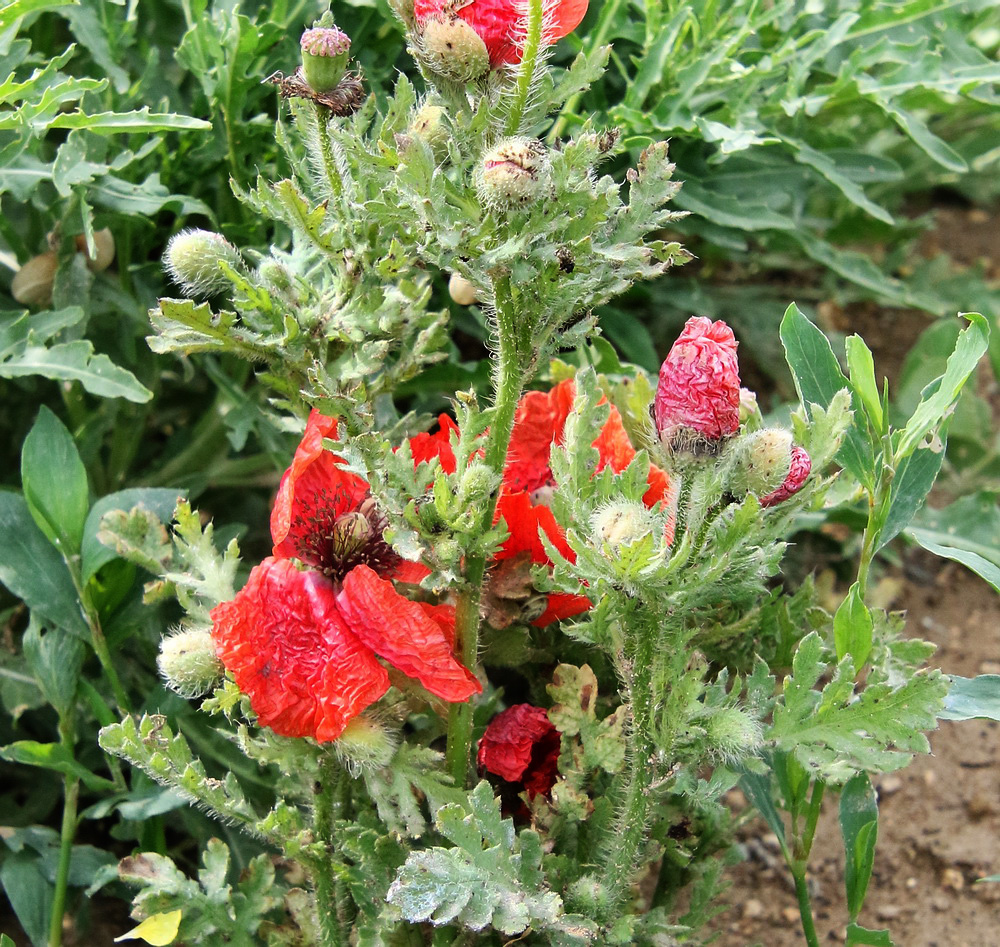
(521, 746)
(303, 643)
(500, 24)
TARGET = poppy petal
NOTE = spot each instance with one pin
(400, 631)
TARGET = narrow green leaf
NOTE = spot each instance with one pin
(857, 935)
(56, 757)
(853, 628)
(817, 379)
(55, 482)
(30, 893)
(970, 698)
(969, 349)
(859, 829)
(140, 120)
(757, 788)
(33, 570)
(55, 659)
(861, 366)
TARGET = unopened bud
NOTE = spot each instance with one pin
(188, 662)
(763, 461)
(453, 50)
(461, 290)
(749, 409)
(193, 260)
(622, 522)
(476, 485)
(732, 734)
(430, 127)
(32, 284)
(514, 172)
(365, 744)
(324, 57)
(798, 471)
(588, 895)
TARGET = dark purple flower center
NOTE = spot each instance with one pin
(334, 543)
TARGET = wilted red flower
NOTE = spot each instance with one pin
(522, 746)
(698, 395)
(501, 23)
(538, 425)
(799, 470)
(302, 645)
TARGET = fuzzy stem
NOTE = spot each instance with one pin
(534, 29)
(331, 173)
(329, 794)
(629, 830)
(508, 383)
(71, 795)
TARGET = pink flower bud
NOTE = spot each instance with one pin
(797, 474)
(698, 395)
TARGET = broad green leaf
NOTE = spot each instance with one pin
(54, 756)
(970, 698)
(859, 829)
(861, 366)
(158, 929)
(56, 659)
(965, 531)
(55, 482)
(971, 346)
(853, 628)
(159, 501)
(30, 893)
(33, 570)
(817, 379)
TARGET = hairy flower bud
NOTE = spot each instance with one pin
(188, 662)
(732, 734)
(477, 484)
(430, 127)
(461, 290)
(698, 396)
(798, 471)
(515, 172)
(763, 461)
(365, 744)
(622, 522)
(452, 49)
(193, 260)
(32, 283)
(324, 57)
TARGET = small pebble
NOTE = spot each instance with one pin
(771, 841)
(930, 777)
(752, 909)
(979, 806)
(952, 878)
(791, 915)
(989, 667)
(888, 912)
(889, 785)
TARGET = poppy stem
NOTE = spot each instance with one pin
(534, 29)
(508, 382)
(330, 895)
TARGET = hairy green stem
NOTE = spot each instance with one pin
(329, 801)
(330, 172)
(628, 832)
(529, 63)
(508, 382)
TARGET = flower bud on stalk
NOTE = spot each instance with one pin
(365, 744)
(429, 126)
(764, 459)
(452, 49)
(514, 172)
(798, 471)
(188, 661)
(622, 522)
(324, 57)
(193, 257)
(697, 401)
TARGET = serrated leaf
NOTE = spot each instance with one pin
(574, 692)
(158, 503)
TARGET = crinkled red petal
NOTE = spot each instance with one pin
(798, 471)
(288, 649)
(538, 424)
(507, 745)
(314, 473)
(404, 634)
(524, 519)
(444, 615)
(699, 383)
(425, 447)
(562, 605)
(409, 572)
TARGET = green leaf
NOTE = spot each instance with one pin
(141, 120)
(56, 659)
(971, 346)
(757, 788)
(853, 628)
(33, 570)
(574, 694)
(965, 531)
(55, 482)
(915, 475)
(857, 935)
(861, 366)
(54, 756)
(859, 829)
(971, 698)
(30, 893)
(160, 502)
(817, 379)
(491, 876)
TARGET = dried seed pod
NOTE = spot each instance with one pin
(32, 284)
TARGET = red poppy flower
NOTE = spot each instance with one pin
(303, 645)
(698, 395)
(522, 746)
(799, 470)
(501, 23)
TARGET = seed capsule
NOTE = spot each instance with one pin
(324, 57)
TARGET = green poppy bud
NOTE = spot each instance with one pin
(188, 662)
(732, 734)
(193, 257)
(365, 744)
(430, 127)
(763, 460)
(622, 522)
(515, 172)
(324, 57)
(452, 49)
